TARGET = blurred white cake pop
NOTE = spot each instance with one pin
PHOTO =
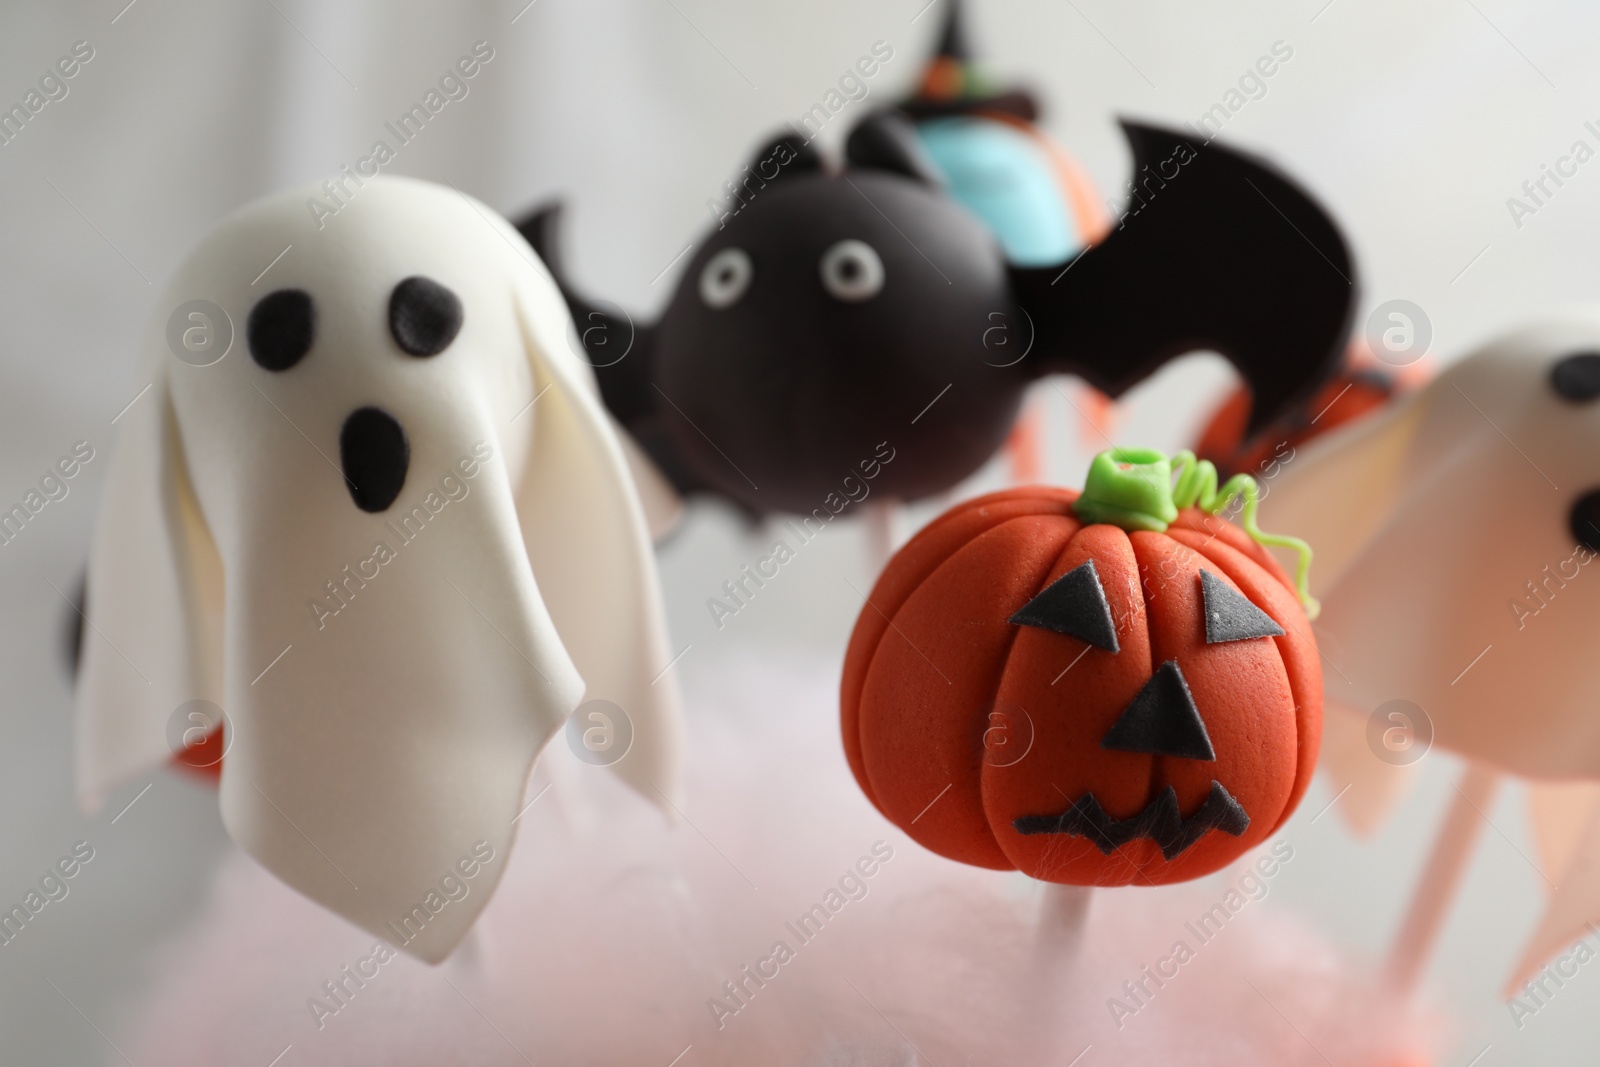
(1454, 538)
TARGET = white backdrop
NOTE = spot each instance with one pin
(1414, 120)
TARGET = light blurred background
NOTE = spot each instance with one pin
(1413, 120)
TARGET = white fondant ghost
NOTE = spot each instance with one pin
(1432, 523)
(1368, 788)
(1560, 813)
(389, 675)
(1451, 577)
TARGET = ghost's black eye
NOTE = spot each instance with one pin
(281, 328)
(424, 316)
(1584, 519)
(1577, 377)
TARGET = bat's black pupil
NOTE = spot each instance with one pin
(849, 270)
(725, 275)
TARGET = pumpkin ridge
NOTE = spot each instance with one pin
(1151, 793)
(855, 670)
(1075, 712)
(1230, 561)
(1151, 787)
(1147, 594)
(954, 726)
(1242, 691)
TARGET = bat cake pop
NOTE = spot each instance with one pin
(1104, 688)
(371, 506)
(1454, 533)
(842, 309)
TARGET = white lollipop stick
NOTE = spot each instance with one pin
(885, 532)
(1441, 878)
(1063, 916)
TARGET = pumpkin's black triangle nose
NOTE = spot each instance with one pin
(1162, 720)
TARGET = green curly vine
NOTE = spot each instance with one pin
(1134, 488)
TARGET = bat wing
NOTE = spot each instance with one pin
(616, 347)
(619, 349)
(1217, 251)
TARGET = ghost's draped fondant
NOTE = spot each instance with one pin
(1455, 564)
(396, 539)
(1446, 525)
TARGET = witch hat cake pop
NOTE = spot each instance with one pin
(1455, 534)
(838, 310)
(373, 510)
(982, 139)
(1107, 688)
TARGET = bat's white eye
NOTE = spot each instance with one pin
(725, 278)
(852, 271)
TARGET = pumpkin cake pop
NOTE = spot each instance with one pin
(1105, 688)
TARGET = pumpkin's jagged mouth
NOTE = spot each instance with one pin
(1160, 822)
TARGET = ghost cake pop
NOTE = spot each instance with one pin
(1454, 533)
(372, 507)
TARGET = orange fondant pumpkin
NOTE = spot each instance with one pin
(1093, 705)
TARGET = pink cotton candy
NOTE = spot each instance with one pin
(612, 936)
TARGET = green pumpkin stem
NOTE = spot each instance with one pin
(1130, 488)
(1134, 488)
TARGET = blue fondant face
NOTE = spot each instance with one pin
(1005, 177)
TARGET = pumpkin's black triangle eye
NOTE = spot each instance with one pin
(1231, 617)
(1074, 604)
(1576, 377)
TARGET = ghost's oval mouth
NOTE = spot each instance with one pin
(374, 455)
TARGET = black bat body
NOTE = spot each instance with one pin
(839, 310)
